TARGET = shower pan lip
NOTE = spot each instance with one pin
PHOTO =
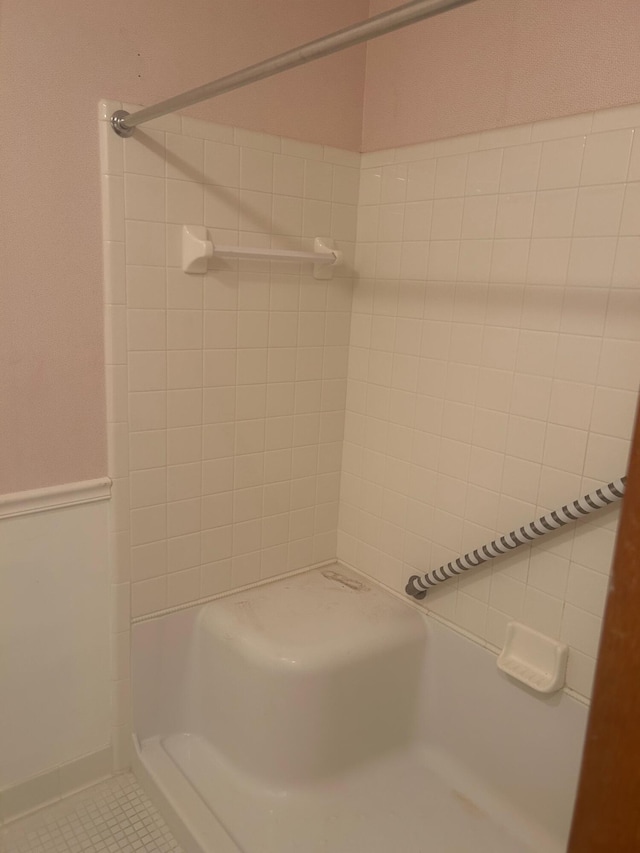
(195, 826)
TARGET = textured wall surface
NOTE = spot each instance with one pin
(496, 63)
(61, 58)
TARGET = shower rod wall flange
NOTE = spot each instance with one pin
(378, 25)
(117, 123)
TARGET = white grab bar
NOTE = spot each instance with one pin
(197, 249)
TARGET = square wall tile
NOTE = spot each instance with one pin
(561, 163)
(486, 358)
(606, 157)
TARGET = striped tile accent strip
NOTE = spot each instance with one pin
(419, 585)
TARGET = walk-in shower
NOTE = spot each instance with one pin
(332, 373)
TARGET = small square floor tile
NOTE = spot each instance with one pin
(114, 816)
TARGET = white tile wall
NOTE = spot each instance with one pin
(493, 357)
(226, 391)
(494, 365)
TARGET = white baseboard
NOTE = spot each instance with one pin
(49, 787)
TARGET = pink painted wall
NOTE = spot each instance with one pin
(56, 61)
(496, 63)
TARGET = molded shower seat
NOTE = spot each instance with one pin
(287, 718)
(306, 677)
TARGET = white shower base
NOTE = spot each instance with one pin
(398, 803)
(250, 762)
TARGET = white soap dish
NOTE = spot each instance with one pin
(536, 660)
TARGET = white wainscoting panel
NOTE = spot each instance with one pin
(54, 637)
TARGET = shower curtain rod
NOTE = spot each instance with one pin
(419, 585)
(124, 123)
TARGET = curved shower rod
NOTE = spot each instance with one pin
(124, 123)
(418, 585)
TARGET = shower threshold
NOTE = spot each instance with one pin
(410, 800)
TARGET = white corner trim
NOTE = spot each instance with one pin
(53, 497)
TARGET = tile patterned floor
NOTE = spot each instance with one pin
(114, 816)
